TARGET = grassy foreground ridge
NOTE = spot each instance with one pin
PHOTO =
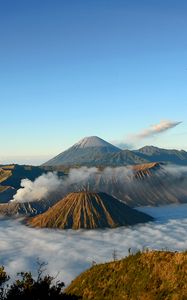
(151, 275)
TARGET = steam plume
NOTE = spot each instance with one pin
(50, 186)
(153, 130)
(47, 184)
(38, 189)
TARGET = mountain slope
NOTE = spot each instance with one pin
(155, 154)
(144, 276)
(17, 209)
(6, 193)
(85, 152)
(88, 210)
(139, 185)
(93, 151)
(11, 176)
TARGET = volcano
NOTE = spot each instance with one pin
(94, 151)
(86, 151)
(89, 211)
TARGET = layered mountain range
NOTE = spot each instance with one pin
(140, 185)
(93, 151)
(135, 177)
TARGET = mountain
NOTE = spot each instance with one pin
(85, 152)
(6, 193)
(19, 209)
(150, 275)
(11, 176)
(155, 154)
(122, 158)
(89, 211)
(146, 184)
(138, 185)
(95, 152)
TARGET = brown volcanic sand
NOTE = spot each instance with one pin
(88, 210)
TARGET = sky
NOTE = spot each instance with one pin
(70, 69)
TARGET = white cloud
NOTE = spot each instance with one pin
(131, 140)
(48, 185)
(70, 252)
(155, 129)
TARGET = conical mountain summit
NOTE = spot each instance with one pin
(94, 151)
(88, 210)
(85, 152)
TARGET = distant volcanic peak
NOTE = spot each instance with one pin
(89, 211)
(173, 156)
(85, 152)
(95, 141)
(149, 149)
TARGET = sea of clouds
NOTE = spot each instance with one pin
(69, 252)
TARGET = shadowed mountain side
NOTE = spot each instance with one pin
(122, 158)
(155, 154)
(13, 209)
(151, 276)
(6, 193)
(86, 152)
(88, 210)
(11, 176)
(147, 184)
(93, 151)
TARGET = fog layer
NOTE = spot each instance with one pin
(70, 252)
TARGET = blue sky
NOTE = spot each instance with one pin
(70, 69)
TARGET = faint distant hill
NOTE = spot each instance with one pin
(155, 154)
(89, 211)
(151, 275)
(94, 151)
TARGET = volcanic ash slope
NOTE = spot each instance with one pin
(90, 211)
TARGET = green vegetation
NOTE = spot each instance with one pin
(152, 275)
(27, 288)
(149, 275)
